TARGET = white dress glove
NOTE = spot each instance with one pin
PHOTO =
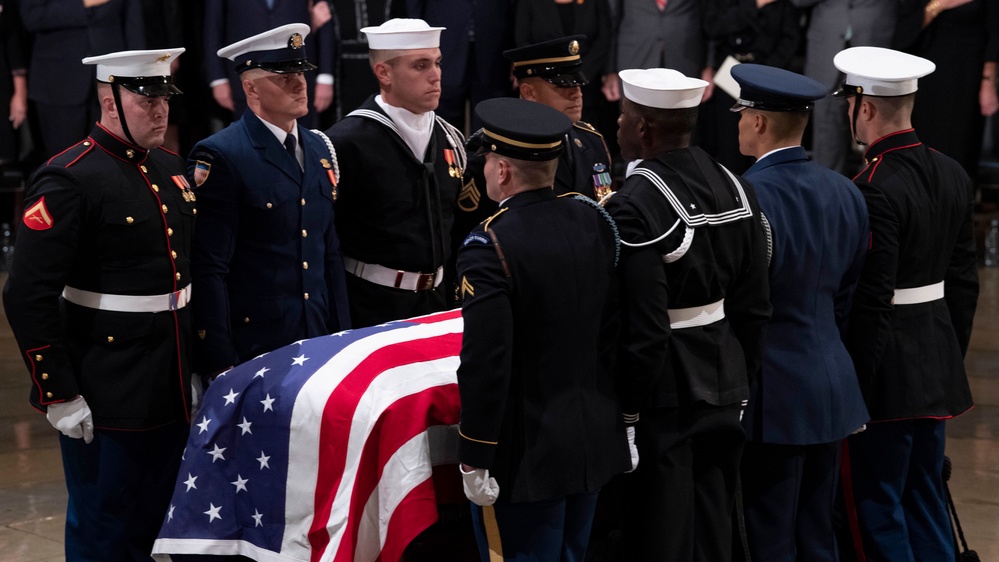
(480, 488)
(197, 392)
(630, 431)
(72, 419)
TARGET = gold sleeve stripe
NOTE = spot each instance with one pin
(477, 440)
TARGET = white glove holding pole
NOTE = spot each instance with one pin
(72, 419)
(480, 488)
(630, 431)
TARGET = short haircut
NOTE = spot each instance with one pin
(668, 122)
(894, 107)
(787, 124)
(376, 56)
(532, 173)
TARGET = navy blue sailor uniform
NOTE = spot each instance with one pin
(584, 167)
(395, 215)
(266, 253)
(694, 304)
(909, 330)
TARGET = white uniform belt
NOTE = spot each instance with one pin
(387, 277)
(680, 318)
(918, 295)
(128, 303)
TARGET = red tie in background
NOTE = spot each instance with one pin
(661, 4)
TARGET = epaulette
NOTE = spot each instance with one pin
(587, 127)
(485, 223)
(71, 155)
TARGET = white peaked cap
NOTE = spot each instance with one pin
(270, 40)
(403, 33)
(134, 64)
(876, 71)
(662, 88)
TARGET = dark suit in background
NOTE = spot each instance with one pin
(266, 257)
(472, 63)
(228, 21)
(354, 79)
(62, 87)
(807, 399)
(671, 38)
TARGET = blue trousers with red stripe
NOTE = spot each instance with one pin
(556, 530)
(895, 473)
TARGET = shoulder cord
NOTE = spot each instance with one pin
(688, 237)
(329, 146)
(453, 134)
(770, 237)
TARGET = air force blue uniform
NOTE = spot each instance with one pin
(266, 257)
(807, 399)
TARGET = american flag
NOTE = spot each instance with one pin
(318, 451)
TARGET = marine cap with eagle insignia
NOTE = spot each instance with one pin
(146, 73)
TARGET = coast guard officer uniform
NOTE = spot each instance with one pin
(911, 318)
(267, 257)
(585, 164)
(541, 430)
(97, 300)
(807, 398)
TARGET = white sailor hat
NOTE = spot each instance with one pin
(280, 50)
(143, 72)
(876, 71)
(662, 88)
(403, 33)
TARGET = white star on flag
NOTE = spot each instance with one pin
(261, 372)
(245, 426)
(268, 403)
(217, 453)
(263, 460)
(300, 360)
(257, 516)
(230, 398)
(170, 513)
(190, 482)
(213, 512)
(240, 483)
(300, 342)
(204, 424)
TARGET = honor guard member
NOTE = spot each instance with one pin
(693, 281)
(912, 313)
(97, 300)
(540, 429)
(549, 73)
(402, 167)
(266, 255)
(807, 399)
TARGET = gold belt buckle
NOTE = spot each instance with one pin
(426, 282)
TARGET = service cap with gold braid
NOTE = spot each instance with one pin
(557, 61)
(521, 129)
(280, 50)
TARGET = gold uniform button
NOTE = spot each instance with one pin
(110, 339)
(246, 320)
(165, 209)
(305, 265)
(270, 205)
(129, 220)
(194, 211)
(156, 188)
(306, 296)
(304, 233)
(143, 168)
(177, 276)
(38, 358)
(86, 143)
(45, 376)
(48, 395)
(303, 201)
(131, 154)
(173, 254)
(169, 232)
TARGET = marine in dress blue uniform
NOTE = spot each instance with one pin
(266, 256)
(807, 399)
(97, 300)
(541, 430)
(694, 303)
(912, 313)
(402, 168)
(549, 73)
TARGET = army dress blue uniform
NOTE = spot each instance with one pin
(395, 213)
(266, 252)
(108, 221)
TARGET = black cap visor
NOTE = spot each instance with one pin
(152, 86)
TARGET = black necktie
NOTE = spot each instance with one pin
(290, 143)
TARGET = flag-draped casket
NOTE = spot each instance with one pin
(319, 451)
